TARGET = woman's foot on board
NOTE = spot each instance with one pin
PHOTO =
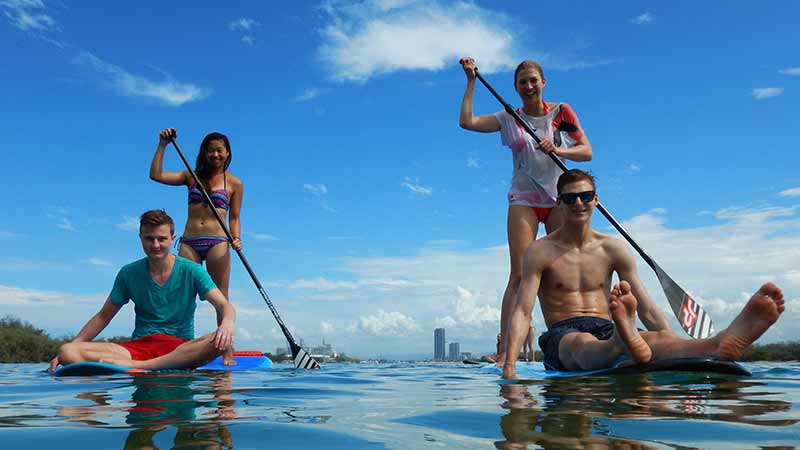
(623, 312)
(761, 311)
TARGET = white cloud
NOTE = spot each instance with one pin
(32, 265)
(319, 190)
(315, 189)
(5, 234)
(388, 324)
(65, 224)
(416, 188)
(99, 262)
(261, 236)
(327, 207)
(473, 162)
(326, 328)
(769, 92)
(445, 322)
(387, 5)
(16, 297)
(794, 192)
(243, 24)
(169, 92)
(364, 39)
(326, 285)
(791, 71)
(721, 261)
(27, 15)
(634, 168)
(309, 94)
(643, 19)
(129, 223)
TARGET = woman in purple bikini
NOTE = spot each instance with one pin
(203, 238)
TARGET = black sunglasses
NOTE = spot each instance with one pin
(570, 197)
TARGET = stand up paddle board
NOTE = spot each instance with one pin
(245, 360)
(536, 370)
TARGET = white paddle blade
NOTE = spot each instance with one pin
(692, 317)
(302, 360)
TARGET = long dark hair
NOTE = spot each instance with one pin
(200, 167)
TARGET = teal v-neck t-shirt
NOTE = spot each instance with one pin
(167, 309)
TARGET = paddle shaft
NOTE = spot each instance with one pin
(509, 109)
(264, 295)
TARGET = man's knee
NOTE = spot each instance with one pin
(572, 350)
(70, 353)
(209, 347)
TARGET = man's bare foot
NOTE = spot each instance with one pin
(623, 312)
(760, 312)
(500, 360)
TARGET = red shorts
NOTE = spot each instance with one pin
(152, 346)
(541, 213)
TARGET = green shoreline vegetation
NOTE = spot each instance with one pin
(21, 342)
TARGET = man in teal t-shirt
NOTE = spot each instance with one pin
(164, 289)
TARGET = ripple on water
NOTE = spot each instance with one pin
(420, 406)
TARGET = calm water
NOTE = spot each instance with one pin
(398, 406)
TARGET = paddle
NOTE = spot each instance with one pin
(302, 360)
(692, 317)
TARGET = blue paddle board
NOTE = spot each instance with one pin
(245, 360)
(536, 370)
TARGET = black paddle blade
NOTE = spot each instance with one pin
(302, 360)
(693, 318)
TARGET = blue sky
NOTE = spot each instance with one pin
(370, 217)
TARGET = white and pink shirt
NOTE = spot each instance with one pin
(533, 182)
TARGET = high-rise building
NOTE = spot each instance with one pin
(455, 352)
(438, 344)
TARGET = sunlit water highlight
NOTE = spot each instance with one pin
(398, 406)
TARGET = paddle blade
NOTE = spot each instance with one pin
(302, 360)
(693, 318)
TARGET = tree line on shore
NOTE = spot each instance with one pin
(21, 342)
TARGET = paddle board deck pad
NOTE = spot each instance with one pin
(245, 360)
(536, 370)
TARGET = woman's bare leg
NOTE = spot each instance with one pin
(218, 263)
(523, 226)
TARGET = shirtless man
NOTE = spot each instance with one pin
(590, 323)
(164, 288)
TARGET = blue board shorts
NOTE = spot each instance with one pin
(549, 341)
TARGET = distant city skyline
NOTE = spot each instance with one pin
(454, 353)
(439, 344)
